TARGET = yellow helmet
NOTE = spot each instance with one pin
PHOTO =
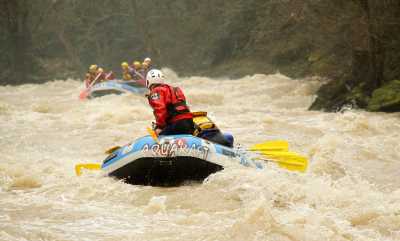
(93, 68)
(124, 65)
(100, 70)
(137, 64)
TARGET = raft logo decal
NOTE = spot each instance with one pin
(177, 147)
(155, 96)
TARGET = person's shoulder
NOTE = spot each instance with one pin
(161, 87)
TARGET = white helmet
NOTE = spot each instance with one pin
(148, 60)
(154, 76)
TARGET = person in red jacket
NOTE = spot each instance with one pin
(169, 106)
(104, 76)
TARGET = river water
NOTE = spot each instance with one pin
(351, 190)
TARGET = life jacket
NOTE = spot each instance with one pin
(101, 76)
(90, 77)
(126, 75)
(178, 105)
(202, 123)
(142, 72)
(110, 76)
(169, 109)
(104, 76)
(137, 75)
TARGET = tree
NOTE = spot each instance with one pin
(15, 14)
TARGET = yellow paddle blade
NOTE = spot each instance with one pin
(112, 149)
(152, 134)
(289, 160)
(271, 146)
(90, 166)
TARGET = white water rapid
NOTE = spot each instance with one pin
(351, 190)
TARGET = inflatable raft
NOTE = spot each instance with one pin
(171, 160)
(114, 87)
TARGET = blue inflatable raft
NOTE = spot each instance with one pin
(115, 87)
(171, 160)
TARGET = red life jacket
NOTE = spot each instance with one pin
(169, 105)
(178, 104)
(110, 76)
(89, 78)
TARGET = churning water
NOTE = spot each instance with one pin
(350, 192)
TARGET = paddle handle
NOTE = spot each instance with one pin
(153, 134)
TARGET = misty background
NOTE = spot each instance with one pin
(354, 43)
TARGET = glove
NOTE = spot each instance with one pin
(157, 131)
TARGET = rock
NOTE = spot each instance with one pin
(358, 97)
(386, 98)
(331, 97)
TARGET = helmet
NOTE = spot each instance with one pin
(99, 70)
(229, 138)
(137, 64)
(154, 76)
(92, 68)
(147, 60)
(124, 65)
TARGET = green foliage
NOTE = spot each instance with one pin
(386, 98)
(356, 43)
(358, 96)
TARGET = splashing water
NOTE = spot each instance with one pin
(350, 192)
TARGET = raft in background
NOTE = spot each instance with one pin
(113, 87)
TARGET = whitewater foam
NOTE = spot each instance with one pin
(350, 192)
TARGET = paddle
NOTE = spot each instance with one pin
(278, 151)
(135, 72)
(288, 160)
(153, 134)
(112, 149)
(90, 166)
(279, 145)
(109, 75)
(275, 151)
(83, 95)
